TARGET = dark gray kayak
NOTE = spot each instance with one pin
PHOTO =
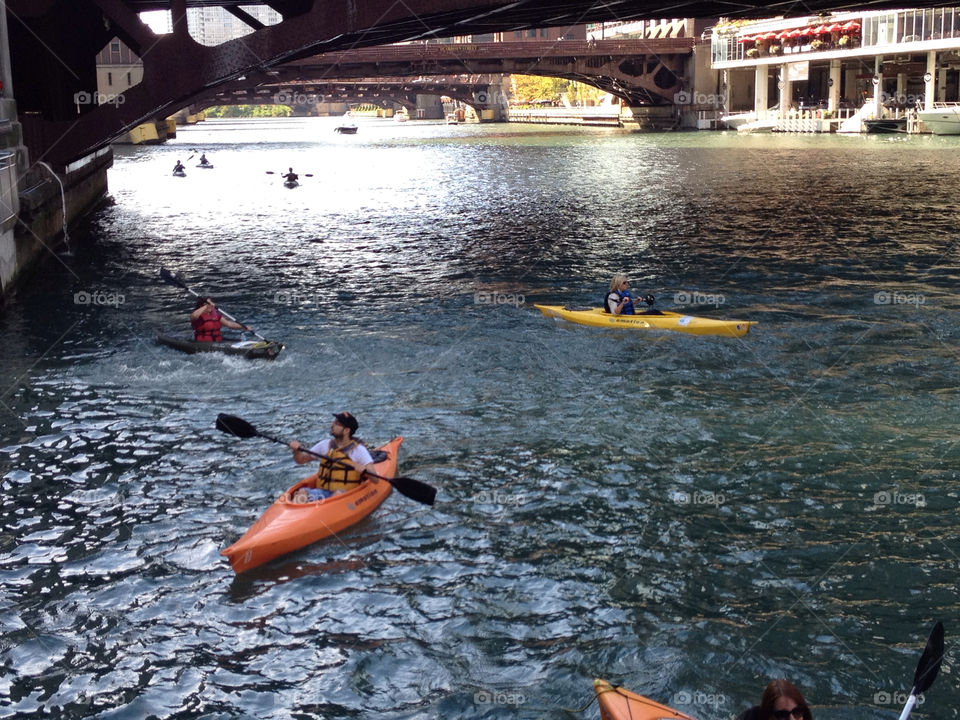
(183, 341)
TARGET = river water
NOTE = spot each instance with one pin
(686, 516)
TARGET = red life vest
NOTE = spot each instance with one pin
(206, 328)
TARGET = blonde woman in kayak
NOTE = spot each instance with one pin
(619, 301)
(345, 463)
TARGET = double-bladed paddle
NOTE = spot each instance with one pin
(171, 279)
(413, 489)
(927, 668)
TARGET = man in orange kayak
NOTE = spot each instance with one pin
(344, 465)
(207, 320)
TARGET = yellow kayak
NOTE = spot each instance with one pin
(663, 320)
(619, 704)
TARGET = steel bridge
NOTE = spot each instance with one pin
(54, 43)
(642, 72)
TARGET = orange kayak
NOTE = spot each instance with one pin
(619, 704)
(287, 526)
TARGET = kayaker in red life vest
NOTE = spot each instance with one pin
(333, 477)
(781, 701)
(207, 320)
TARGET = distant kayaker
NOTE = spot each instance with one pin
(179, 167)
(345, 463)
(203, 159)
(781, 700)
(291, 176)
(619, 301)
(207, 321)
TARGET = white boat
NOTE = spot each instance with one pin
(452, 119)
(757, 126)
(942, 119)
(735, 120)
(401, 116)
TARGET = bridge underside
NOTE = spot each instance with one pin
(375, 91)
(650, 78)
(54, 44)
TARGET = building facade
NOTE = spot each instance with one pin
(890, 61)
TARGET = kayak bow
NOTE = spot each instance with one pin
(287, 526)
(664, 320)
(619, 704)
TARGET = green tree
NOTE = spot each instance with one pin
(248, 111)
(529, 88)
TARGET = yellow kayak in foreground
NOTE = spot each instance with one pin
(664, 320)
(619, 704)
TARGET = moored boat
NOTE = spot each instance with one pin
(661, 320)
(619, 704)
(183, 341)
(287, 526)
(885, 125)
(735, 120)
(346, 129)
(942, 119)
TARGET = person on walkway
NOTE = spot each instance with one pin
(619, 301)
(207, 321)
(781, 700)
(344, 463)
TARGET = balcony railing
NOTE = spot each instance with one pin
(772, 39)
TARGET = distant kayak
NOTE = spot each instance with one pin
(287, 526)
(208, 166)
(665, 320)
(290, 183)
(179, 173)
(619, 704)
(183, 341)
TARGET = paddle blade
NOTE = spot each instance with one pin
(232, 425)
(169, 277)
(929, 664)
(414, 489)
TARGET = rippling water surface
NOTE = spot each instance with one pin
(686, 516)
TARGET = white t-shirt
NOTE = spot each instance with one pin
(613, 299)
(359, 454)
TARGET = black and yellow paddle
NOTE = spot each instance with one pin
(927, 668)
(413, 489)
(171, 279)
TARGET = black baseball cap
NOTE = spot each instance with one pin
(347, 420)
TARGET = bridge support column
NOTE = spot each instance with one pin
(491, 104)
(836, 67)
(929, 79)
(429, 107)
(786, 92)
(760, 89)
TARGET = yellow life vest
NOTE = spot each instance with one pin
(334, 476)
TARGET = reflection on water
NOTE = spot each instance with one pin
(687, 516)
